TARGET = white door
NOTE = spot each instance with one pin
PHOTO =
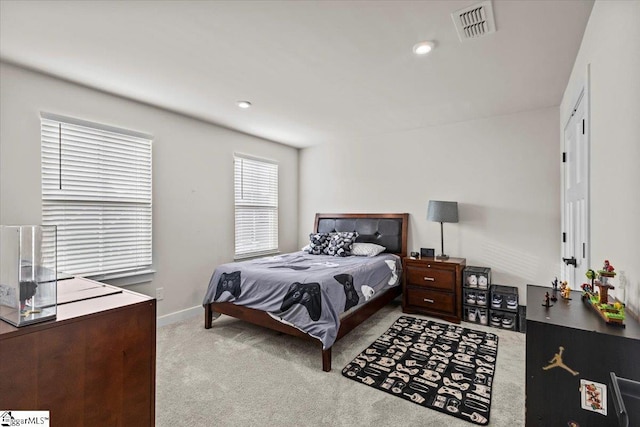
(575, 206)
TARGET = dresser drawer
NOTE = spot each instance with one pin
(431, 300)
(431, 277)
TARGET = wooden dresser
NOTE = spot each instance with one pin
(92, 366)
(433, 287)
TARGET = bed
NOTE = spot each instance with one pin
(294, 306)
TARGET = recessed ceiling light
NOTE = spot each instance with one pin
(423, 48)
(244, 104)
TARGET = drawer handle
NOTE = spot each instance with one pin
(429, 300)
(431, 279)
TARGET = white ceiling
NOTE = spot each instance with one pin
(314, 71)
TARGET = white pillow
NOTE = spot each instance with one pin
(366, 249)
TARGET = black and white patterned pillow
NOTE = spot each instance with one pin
(318, 243)
(341, 243)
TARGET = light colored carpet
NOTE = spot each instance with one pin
(237, 374)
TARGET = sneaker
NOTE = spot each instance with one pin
(483, 282)
(512, 302)
(471, 315)
(507, 322)
(496, 302)
(472, 281)
(481, 300)
(471, 298)
(496, 319)
(483, 317)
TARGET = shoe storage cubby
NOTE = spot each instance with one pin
(476, 294)
(487, 304)
(503, 307)
(476, 277)
(504, 319)
(504, 298)
(476, 297)
(477, 315)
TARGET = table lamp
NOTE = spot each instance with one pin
(442, 212)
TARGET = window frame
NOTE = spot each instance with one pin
(111, 190)
(259, 204)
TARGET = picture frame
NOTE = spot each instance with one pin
(427, 252)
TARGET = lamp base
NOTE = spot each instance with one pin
(443, 256)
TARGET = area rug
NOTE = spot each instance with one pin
(443, 367)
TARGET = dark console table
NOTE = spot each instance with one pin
(590, 347)
(92, 366)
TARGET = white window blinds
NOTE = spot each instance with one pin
(256, 206)
(96, 188)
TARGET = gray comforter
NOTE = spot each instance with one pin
(306, 291)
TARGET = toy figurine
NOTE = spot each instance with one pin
(546, 300)
(555, 283)
(607, 272)
(565, 290)
(612, 313)
(591, 275)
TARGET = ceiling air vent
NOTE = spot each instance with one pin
(474, 21)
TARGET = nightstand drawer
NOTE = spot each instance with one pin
(432, 300)
(431, 277)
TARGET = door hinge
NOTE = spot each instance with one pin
(583, 126)
(584, 250)
(564, 157)
(564, 237)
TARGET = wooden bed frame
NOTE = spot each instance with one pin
(347, 323)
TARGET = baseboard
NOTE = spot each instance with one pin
(178, 316)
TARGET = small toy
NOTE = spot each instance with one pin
(546, 300)
(607, 272)
(613, 314)
(554, 295)
(591, 275)
(565, 290)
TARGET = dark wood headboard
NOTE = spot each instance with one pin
(389, 230)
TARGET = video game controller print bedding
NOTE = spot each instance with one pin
(443, 367)
(307, 291)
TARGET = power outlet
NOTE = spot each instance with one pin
(159, 294)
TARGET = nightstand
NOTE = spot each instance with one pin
(433, 287)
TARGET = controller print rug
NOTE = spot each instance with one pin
(443, 367)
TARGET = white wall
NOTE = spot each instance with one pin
(192, 172)
(503, 171)
(611, 48)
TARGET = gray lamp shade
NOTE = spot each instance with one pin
(440, 211)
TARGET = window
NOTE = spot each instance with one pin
(96, 188)
(256, 203)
